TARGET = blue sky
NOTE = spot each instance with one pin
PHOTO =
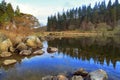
(44, 8)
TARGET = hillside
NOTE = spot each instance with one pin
(14, 20)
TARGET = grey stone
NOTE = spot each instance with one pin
(97, 75)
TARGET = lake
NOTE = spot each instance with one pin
(74, 53)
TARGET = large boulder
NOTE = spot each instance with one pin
(51, 49)
(77, 78)
(21, 46)
(5, 45)
(17, 40)
(5, 54)
(81, 72)
(33, 42)
(9, 62)
(38, 52)
(2, 37)
(25, 52)
(97, 75)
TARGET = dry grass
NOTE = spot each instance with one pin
(72, 34)
(20, 32)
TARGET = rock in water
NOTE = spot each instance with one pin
(33, 42)
(25, 52)
(81, 72)
(9, 62)
(62, 77)
(5, 54)
(4, 46)
(38, 52)
(47, 78)
(97, 75)
(51, 49)
(58, 77)
(77, 78)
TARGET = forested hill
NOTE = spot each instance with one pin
(87, 17)
(11, 19)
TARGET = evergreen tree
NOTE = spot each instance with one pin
(10, 11)
(80, 17)
(4, 5)
(17, 11)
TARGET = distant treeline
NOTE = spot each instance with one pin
(85, 16)
(7, 12)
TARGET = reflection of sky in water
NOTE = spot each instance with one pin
(52, 64)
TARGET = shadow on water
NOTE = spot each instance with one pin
(73, 53)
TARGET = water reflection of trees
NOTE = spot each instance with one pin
(100, 49)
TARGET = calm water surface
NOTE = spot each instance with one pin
(74, 53)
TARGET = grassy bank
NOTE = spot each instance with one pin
(12, 34)
(59, 34)
(78, 33)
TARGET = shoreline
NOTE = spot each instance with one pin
(74, 34)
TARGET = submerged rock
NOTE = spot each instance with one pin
(97, 75)
(38, 52)
(62, 77)
(5, 54)
(47, 78)
(25, 52)
(51, 49)
(58, 77)
(81, 72)
(77, 78)
(9, 62)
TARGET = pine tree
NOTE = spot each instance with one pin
(17, 11)
(10, 11)
(4, 5)
(80, 17)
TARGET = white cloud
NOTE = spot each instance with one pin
(41, 12)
